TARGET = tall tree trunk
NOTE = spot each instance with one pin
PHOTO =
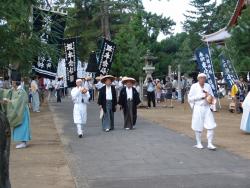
(105, 19)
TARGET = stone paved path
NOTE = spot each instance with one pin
(149, 157)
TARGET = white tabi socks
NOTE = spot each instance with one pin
(198, 140)
(210, 136)
(79, 130)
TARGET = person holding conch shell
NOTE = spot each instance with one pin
(200, 98)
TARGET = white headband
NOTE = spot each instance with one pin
(202, 75)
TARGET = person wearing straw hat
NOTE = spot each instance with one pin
(80, 97)
(200, 98)
(128, 100)
(107, 101)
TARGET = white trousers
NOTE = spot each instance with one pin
(79, 129)
(202, 118)
(210, 136)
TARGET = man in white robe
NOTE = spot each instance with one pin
(80, 97)
(202, 115)
(245, 120)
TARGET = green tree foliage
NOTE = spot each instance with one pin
(15, 31)
(222, 14)
(132, 28)
(204, 18)
(18, 43)
(133, 41)
(166, 51)
(238, 46)
(199, 19)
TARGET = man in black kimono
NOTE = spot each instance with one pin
(128, 100)
(107, 101)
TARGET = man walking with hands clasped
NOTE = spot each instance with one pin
(200, 98)
(80, 97)
(107, 101)
(128, 100)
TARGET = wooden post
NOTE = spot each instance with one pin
(105, 20)
(4, 151)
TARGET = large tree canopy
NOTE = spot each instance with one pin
(238, 46)
(132, 28)
(19, 44)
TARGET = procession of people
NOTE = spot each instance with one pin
(114, 94)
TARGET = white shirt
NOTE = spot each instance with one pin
(1, 83)
(196, 95)
(138, 88)
(120, 85)
(108, 93)
(34, 86)
(78, 97)
(175, 84)
(129, 93)
(150, 87)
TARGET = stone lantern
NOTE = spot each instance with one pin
(149, 66)
(149, 69)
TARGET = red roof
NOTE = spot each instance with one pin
(223, 34)
(237, 12)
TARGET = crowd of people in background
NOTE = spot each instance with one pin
(156, 90)
(167, 90)
(124, 91)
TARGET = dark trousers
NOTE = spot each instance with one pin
(92, 95)
(183, 93)
(108, 117)
(151, 98)
(128, 115)
(58, 95)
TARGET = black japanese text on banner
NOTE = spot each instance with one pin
(50, 28)
(205, 66)
(44, 68)
(106, 57)
(70, 61)
(229, 73)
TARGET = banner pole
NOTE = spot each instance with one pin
(208, 47)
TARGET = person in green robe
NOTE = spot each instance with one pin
(16, 108)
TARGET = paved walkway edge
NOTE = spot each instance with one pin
(66, 147)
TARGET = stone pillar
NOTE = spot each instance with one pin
(169, 71)
(141, 87)
(179, 82)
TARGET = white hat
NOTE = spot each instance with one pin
(202, 75)
(88, 78)
(103, 79)
(126, 79)
(98, 78)
(79, 80)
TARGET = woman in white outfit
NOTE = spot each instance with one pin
(80, 97)
(200, 98)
